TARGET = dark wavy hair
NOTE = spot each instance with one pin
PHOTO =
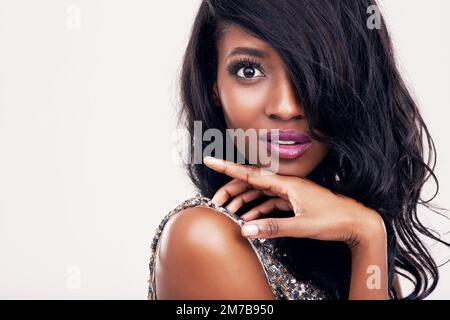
(345, 76)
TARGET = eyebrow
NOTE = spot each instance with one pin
(248, 51)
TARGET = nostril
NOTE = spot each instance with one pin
(276, 117)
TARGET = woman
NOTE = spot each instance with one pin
(338, 218)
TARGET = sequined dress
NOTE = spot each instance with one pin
(283, 284)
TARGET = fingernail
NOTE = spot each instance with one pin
(250, 230)
(209, 159)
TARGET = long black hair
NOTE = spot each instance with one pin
(344, 74)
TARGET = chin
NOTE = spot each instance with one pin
(296, 168)
(301, 166)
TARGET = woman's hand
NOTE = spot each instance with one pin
(319, 213)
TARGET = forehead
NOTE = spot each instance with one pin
(236, 37)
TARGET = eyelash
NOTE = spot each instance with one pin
(234, 67)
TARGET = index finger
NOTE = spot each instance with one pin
(258, 178)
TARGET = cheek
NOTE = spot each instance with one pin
(318, 152)
(243, 104)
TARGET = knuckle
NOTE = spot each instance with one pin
(226, 170)
(226, 192)
(271, 227)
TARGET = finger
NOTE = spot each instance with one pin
(273, 228)
(243, 198)
(258, 178)
(229, 190)
(265, 208)
(268, 193)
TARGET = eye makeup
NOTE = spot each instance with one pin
(234, 67)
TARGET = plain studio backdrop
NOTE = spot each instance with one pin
(87, 116)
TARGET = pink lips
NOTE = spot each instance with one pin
(288, 144)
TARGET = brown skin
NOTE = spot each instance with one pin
(319, 214)
(225, 266)
(203, 256)
(264, 101)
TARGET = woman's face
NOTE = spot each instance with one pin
(255, 92)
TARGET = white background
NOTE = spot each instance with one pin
(86, 119)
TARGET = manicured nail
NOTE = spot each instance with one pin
(250, 230)
(209, 159)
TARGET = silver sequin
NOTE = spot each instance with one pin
(283, 284)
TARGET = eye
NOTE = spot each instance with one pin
(249, 73)
(246, 69)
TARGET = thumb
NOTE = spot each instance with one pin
(271, 228)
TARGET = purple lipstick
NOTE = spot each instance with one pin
(288, 144)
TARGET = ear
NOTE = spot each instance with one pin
(216, 95)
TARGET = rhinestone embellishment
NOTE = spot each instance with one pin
(283, 284)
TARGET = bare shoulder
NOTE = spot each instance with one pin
(202, 255)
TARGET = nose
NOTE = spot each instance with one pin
(284, 104)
